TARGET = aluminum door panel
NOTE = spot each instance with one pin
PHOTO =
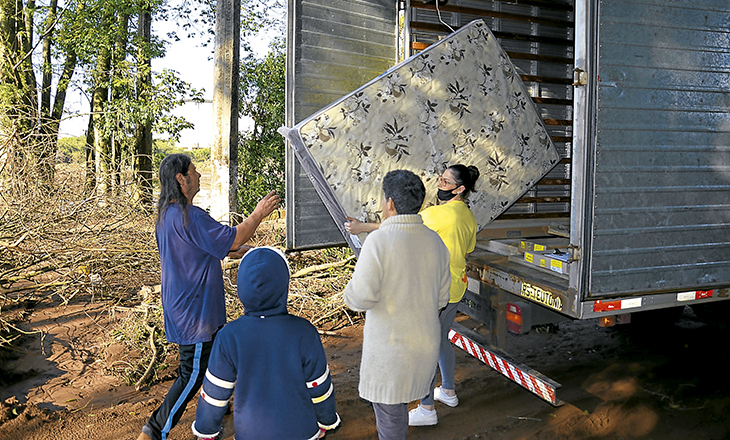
(662, 163)
(334, 47)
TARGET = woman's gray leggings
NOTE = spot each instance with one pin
(446, 354)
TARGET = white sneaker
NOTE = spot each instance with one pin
(422, 417)
(438, 394)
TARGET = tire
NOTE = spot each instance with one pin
(657, 318)
(714, 313)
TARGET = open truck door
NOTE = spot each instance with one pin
(332, 49)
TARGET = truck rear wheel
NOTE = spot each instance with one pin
(714, 313)
(657, 318)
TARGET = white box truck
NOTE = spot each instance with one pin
(636, 98)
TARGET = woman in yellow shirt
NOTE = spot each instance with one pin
(455, 224)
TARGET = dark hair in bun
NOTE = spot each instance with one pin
(465, 175)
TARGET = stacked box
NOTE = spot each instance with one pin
(554, 261)
(529, 246)
(542, 244)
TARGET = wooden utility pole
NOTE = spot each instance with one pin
(224, 152)
(143, 132)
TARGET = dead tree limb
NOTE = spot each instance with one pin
(307, 270)
(151, 365)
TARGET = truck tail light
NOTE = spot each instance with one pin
(518, 318)
(610, 321)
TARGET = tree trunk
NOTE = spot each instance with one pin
(47, 66)
(143, 132)
(90, 183)
(57, 111)
(49, 137)
(118, 56)
(25, 60)
(18, 92)
(7, 40)
(102, 144)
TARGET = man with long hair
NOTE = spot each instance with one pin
(191, 244)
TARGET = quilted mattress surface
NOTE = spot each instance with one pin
(458, 101)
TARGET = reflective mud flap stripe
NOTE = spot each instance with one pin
(528, 378)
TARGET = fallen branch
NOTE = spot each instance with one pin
(26, 275)
(525, 418)
(328, 315)
(14, 245)
(148, 372)
(80, 408)
(307, 270)
(32, 332)
(6, 342)
(329, 333)
(231, 263)
(33, 287)
(53, 239)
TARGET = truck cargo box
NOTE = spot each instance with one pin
(634, 96)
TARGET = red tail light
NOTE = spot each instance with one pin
(514, 319)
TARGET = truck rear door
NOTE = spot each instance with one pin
(656, 162)
(334, 46)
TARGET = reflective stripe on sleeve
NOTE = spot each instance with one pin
(215, 402)
(198, 434)
(318, 381)
(219, 382)
(323, 397)
(332, 426)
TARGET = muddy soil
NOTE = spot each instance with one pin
(652, 382)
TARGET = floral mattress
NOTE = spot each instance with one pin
(458, 101)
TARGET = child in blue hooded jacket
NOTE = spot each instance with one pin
(275, 362)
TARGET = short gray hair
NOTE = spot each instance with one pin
(405, 189)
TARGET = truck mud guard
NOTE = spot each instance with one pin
(533, 381)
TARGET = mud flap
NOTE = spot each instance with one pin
(533, 381)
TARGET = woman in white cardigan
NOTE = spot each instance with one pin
(401, 280)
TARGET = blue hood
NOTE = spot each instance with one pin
(263, 282)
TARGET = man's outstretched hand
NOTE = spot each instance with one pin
(267, 205)
(246, 229)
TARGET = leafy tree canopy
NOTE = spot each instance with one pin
(261, 149)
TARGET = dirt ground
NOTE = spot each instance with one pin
(666, 382)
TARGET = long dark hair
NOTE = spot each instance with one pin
(465, 175)
(170, 191)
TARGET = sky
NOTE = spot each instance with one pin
(194, 65)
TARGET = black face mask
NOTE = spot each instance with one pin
(445, 196)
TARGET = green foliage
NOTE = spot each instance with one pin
(165, 146)
(197, 20)
(171, 92)
(128, 111)
(162, 148)
(71, 149)
(200, 155)
(94, 46)
(261, 150)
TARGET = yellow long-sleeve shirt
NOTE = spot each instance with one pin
(457, 227)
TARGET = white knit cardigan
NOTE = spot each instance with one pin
(401, 280)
